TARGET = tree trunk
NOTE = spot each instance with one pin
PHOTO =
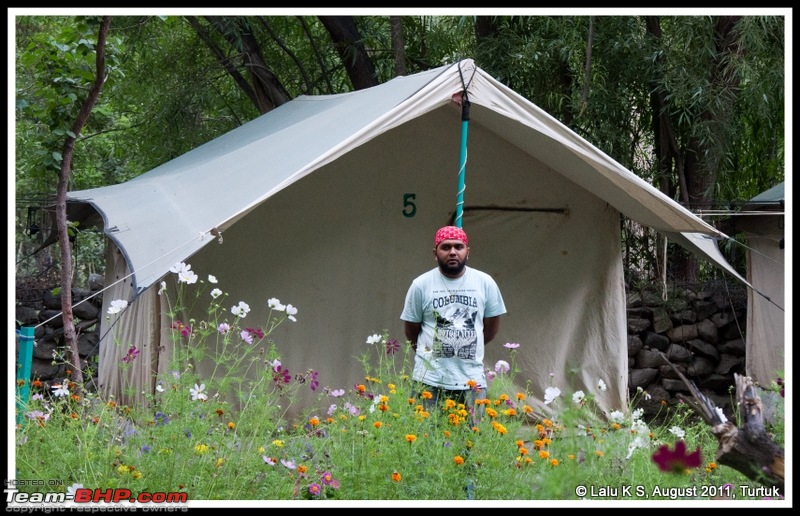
(347, 41)
(70, 335)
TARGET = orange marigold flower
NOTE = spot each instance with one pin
(68, 372)
(458, 459)
(712, 465)
(302, 469)
(547, 423)
(37, 383)
(396, 476)
(510, 412)
(446, 433)
(75, 397)
(615, 426)
(231, 425)
(484, 401)
(411, 438)
(520, 396)
(500, 429)
(503, 397)
(21, 383)
(72, 385)
(538, 444)
(384, 398)
(314, 421)
(491, 412)
(523, 450)
(111, 404)
(599, 453)
(220, 412)
(547, 440)
(426, 395)
(329, 420)
(554, 462)
(519, 443)
(361, 388)
(383, 407)
(411, 401)
(95, 419)
(472, 384)
(544, 454)
(448, 404)
(377, 424)
(73, 415)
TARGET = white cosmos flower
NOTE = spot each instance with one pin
(162, 288)
(197, 392)
(275, 304)
(721, 414)
(291, 312)
(117, 306)
(61, 389)
(677, 432)
(373, 339)
(212, 278)
(216, 293)
(616, 416)
(578, 397)
(550, 394)
(601, 385)
(241, 310)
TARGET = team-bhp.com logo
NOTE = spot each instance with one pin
(89, 496)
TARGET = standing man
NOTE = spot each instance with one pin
(450, 313)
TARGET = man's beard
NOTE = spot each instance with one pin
(449, 270)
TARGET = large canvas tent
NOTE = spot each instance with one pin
(330, 203)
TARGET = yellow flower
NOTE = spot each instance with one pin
(123, 469)
(527, 409)
(278, 443)
(458, 459)
(510, 412)
(220, 462)
(411, 438)
(231, 425)
(447, 434)
(329, 420)
(362, 418)
(261, 450)
(201, 448)
(384, 398)
(136, 474)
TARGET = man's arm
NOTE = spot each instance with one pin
(491, 325)
(412, 330)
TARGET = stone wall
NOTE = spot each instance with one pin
(40, 308)
(699, 330)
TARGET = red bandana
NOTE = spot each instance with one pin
(450, 233)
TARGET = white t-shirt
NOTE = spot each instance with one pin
(450, 346)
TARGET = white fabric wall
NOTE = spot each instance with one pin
(337, 246)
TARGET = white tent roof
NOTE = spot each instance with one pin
(168, 214)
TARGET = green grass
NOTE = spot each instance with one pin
(377, 443)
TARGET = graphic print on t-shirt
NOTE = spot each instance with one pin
(455, 334)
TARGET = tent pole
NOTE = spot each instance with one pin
(463, 160)
(24, 360)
